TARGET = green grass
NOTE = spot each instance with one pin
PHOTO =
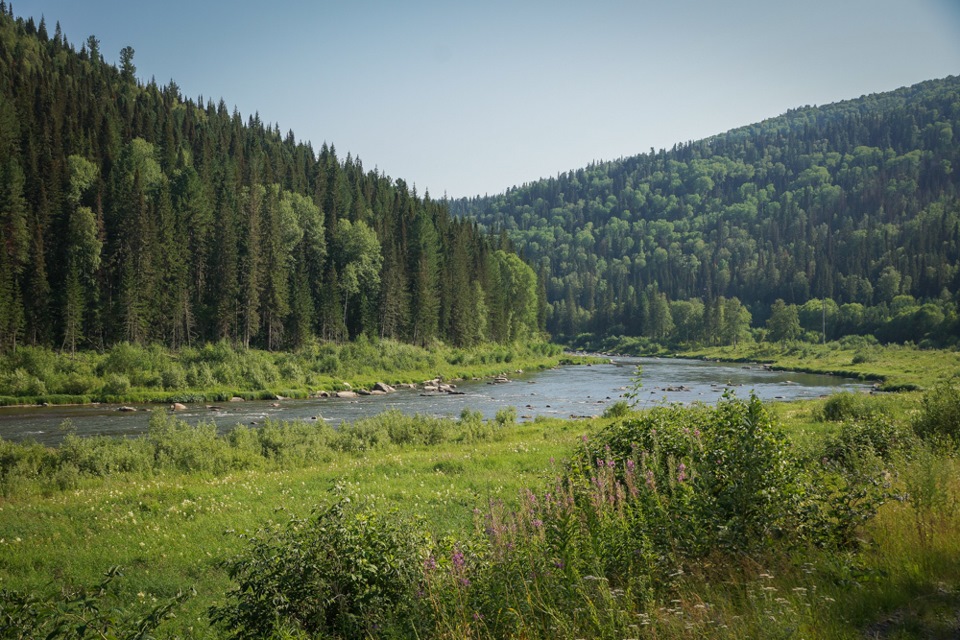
(894, 367)
(171, 530)
(216, 372)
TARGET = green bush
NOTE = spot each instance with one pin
(342, 573)
(173, 379)
(847, 405)
(23, 383)
(876, 435)
(80, 614)
(939, 416)
(116, 384)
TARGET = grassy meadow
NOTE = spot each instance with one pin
(895, 367)
(837, 518)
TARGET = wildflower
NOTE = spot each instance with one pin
(430, 563)
(630, 464)
(537, 522)
(457, 558)
(650, 483)
(681, 472)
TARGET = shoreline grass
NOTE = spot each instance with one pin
(129, 374)
(893, 367)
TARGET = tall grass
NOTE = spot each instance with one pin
(214, 372)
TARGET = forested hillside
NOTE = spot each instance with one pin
(855, 203)
(131, 213)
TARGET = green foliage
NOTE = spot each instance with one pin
(939, 416)
(344, 572)
(81, 615)
(757, 214)
(183, 223)
(848, 405)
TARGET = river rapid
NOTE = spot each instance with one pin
(571, 391)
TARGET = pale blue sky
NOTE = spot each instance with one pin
(474, 97)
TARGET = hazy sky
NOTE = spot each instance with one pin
(474, 97)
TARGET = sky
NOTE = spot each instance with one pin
(470, 98)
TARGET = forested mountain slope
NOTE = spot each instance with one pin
(856, 202)
(129, 212)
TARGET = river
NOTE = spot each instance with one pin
(562, 392)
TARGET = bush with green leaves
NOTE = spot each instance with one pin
(81, 614)
(876, 435)
(939, 416)
(848, 405)
(344, 572)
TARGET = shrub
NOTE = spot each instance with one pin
(173, 379)
(22, 383)
(81, 614)
(116, 384)
(344, 572)
(506, 417)
(939, 416)
(619, 409)
(723, 477)
(78, 384)
(848, 405)
(873, 436)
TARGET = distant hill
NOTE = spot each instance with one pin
(131, 213)
(856, 202)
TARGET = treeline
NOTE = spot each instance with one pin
(130, 213)
(855, 202)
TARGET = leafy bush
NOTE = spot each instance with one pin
(22, 383)
(173, 378)
(939, 416)
(848, 405)
(116, 384)
(619, 409)
(874, 436)
(342, 573)
(716, 478)
(80, 615)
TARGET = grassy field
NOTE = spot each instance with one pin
(172, 531)
(898, 576)
(894, 367)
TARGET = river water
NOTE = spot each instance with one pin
(562, 392)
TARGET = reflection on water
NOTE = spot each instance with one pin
(562, 392)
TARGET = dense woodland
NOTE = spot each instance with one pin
(845, 215)
(130, 213)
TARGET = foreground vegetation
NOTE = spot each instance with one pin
(215, 372)
(678, 522)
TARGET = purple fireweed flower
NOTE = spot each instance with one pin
(650, 483)
(430, 563)
(630, 464)
(681, 472)
(537, 522)
(457, 558)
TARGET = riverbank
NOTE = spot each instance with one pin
(129, 374)
(892, 367)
